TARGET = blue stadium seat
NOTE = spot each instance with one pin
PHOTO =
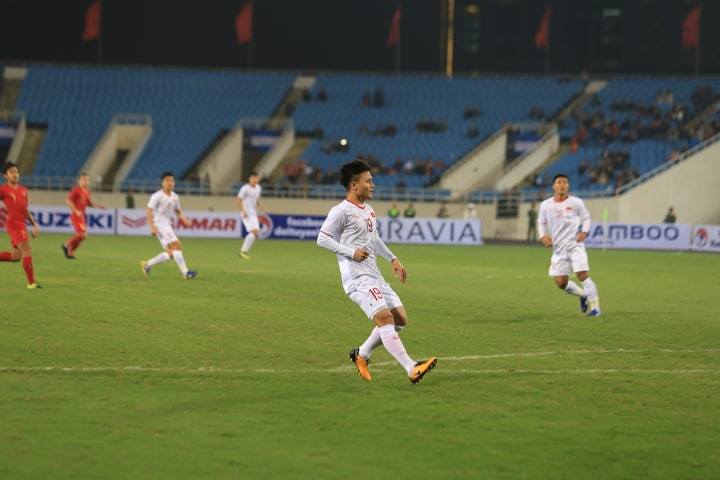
(188, 109)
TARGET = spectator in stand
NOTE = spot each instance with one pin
(443, 211)
(409, 212)
(471, 112)
(322, 95)
(472, 131)
(470, 212)
(532, 223)
(394, 211)
(537, 113)
(378, 100)
(129, 199)
(583, 166)
(366, 99)
(306, 95)
(408, 166)
(670, 216)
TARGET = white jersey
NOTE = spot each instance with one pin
(562, 221)
(250, 196)
(164, 208)
(348, 227)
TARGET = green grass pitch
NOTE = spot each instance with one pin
(243, 372)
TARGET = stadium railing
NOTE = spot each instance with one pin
(407, 194)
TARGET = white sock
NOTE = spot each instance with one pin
(590, 289)
(180, 260)
(248, 243)
(372, 342)
(160, 258)
(392, 343)
(573, 289)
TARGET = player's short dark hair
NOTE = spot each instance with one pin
(82, 174)
(561, 175)
(351, 170)
(8, 166)
(166, 174)
(253, 174)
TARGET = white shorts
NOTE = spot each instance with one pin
(251, 223)
(374, 295)
(564, 264)
(166, 235)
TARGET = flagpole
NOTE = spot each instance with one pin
(547, 45)
(697, 47)
(252, 38)
(449, 45)
(399, 39)
(100, 35)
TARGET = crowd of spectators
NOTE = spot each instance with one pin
(629, 121)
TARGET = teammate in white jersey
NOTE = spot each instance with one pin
(248, 200)
(563, 224)
(350, 231)
(161, 210)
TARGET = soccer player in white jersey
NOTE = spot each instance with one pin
(563, 224)
(161, 209)
(350, 231)
(248, 200)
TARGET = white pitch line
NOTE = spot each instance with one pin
(564, 352)
(271, 371)
(339, 369)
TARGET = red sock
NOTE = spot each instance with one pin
(6, 257)
(28, 267)
(75, 242)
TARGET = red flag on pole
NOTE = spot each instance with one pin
(93, 16)
(244, 24)
(542, 36)
(691, 29)
(394, 33)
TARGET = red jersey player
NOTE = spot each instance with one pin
(15, 198)
(78, 200)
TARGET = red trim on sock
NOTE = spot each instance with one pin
(6, 257)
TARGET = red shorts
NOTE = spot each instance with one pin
(17, 235)
(78, 223)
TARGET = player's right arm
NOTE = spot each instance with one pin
(70, 201)
(239, 201)
(542, 226)
(150, 214)
(330, 233)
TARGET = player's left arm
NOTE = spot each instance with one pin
(397, 267)
(585, 221)
(181, 216)
(96, 205)
(35, 227)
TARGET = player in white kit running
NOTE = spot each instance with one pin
(248, 200)
(563, 224)
(161, 209)
(350, 231)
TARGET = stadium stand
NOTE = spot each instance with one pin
(415, 126)
(188, 109)
(630, 128)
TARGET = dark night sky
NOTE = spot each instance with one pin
(289, 34)
(351, 34)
